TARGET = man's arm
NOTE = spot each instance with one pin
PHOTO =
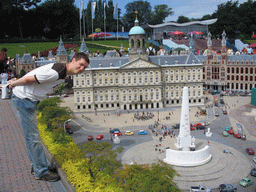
(22, 81)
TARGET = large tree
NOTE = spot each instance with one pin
(183, 19)
(60, 16)
(144, 13)
(159, 14)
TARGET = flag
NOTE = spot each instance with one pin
(93, 9)
(115, 14)
(82, 6)
(104, 5)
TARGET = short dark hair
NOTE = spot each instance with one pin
(84, 56)
(4, 49)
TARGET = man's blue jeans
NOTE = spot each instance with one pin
(27, 111)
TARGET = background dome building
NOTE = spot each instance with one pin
(137, 42)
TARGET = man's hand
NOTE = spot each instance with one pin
(22, 81)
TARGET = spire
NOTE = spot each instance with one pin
(209, 42)
(223, 42)
(136, 22)
(83, 47)
(191, 43)
(61, 49)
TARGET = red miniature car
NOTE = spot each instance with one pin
(192, 128)
(99, 137)
(90, 138)
(225, 112)
(117, 133)
(197, 124)
(231, 131)
(250, 151)
(238, 136)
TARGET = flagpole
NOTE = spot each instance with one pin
(92, 30)
(117, 26)
(81, 4)
(104, 4)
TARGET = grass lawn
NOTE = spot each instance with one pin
(21, 48)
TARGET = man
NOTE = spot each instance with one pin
(3, 71)
(150, 50)
(28, 91)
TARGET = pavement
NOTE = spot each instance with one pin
(15, 165)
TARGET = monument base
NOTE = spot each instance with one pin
(188, 158)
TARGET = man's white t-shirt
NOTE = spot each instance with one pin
(47, 76)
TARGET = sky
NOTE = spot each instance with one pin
(188, 8)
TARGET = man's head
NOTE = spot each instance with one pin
(78, 64)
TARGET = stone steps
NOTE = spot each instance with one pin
(223, 168)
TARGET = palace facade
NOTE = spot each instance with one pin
(138, 81)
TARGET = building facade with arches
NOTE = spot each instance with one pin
(138, 81)
(228, 72)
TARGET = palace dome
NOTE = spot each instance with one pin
(136, 30)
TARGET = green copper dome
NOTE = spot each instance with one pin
(136, 30)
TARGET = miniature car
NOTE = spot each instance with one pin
(142, 132)
(128, 133)
(90, 138)
(114, 130)
(253, 172)
(197, 124)
(117, 133)
(68, 129)
(99, 137)
(227, 188)
(225, 112)
(245, 182)
(225, 134)
(227, 128)
(216, 114)
(250, 151)
(176, 126)
(200, 127)
(238, 136)
(243, 137)
(231, 131)
(254, 159)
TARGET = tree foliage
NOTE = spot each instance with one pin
(183, 19)
(155, 177)
(52, 114)
(54, 101)
(159, 14)
(101, 158)
(144, 13)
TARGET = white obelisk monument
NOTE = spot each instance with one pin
(184, 140)
(186, 155)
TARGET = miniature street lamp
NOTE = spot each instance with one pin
(65, 124)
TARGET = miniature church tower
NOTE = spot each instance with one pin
(61, 55)
(83, 47)
(223, 48)
(137, 42)
(209, 45)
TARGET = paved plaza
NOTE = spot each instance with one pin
(227, 167)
